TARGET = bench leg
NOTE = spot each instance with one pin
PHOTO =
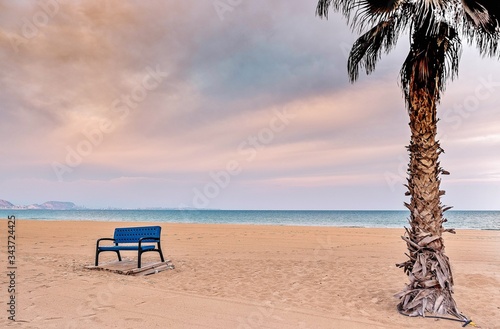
(97, 257)
(141, 252)
(161, 253)
(97, 252)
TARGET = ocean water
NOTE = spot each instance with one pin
(481, 220)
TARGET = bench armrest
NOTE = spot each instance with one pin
(153, 239)
(104, 239)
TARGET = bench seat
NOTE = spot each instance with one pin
(113, 248)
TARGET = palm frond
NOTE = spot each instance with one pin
(481, 25)
(359, 12)
(367, 49)
(372, 12)
(429, 13)
(482, 14)
(323, 7)
(380, 6)
(381, 22)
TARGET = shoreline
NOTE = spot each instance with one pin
(484, 220)
(133, 223)
(240, 276)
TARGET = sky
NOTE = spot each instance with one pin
(225, 104)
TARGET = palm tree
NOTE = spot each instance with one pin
(436, 28)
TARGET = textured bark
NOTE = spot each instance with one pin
(431, 282)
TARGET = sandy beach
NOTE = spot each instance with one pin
(237, 276)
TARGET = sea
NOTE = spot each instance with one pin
(477, 220)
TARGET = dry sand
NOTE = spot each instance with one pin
(237, 276)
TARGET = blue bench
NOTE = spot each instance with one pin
(132, 238)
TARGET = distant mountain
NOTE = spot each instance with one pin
(58, 205)
(49, 205)
(6, 204)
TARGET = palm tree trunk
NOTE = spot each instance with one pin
(428, 268)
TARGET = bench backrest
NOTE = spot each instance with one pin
(133, 234)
